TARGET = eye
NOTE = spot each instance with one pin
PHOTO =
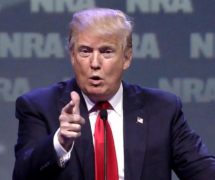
(107, 52)
(84, 51)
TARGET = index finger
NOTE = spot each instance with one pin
(73, 106)
(68, 108)
(75, 101)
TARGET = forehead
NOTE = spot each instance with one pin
(92, 39)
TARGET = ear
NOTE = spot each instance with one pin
(72, 56)
(127, 58)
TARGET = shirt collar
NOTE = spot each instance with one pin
(116, 101)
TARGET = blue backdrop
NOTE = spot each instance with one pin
(174, 49)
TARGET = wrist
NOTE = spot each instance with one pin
(66, 143)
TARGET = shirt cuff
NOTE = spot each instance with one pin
(62, 154)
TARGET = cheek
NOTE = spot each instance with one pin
(79, 65)
(114, 71)
(80, 69)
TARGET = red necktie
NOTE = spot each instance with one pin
(111, 167)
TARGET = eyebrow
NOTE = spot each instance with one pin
(84, 46)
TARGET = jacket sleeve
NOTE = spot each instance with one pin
(191, 159)
(34, 151)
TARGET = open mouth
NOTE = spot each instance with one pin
(95, 80)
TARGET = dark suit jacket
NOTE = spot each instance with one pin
(152, 149)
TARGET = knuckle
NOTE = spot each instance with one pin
(77, 134)
(61, 117)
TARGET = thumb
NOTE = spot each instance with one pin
(75, 98)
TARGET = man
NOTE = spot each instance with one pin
(57, 137)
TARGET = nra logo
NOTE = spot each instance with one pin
(9, 3)
(2, 149)
(158, 6)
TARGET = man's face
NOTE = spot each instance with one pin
(98, 63)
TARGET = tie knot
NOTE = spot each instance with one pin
(101, 105)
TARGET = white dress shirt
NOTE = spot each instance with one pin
(115, 119)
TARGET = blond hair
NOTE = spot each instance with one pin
(104, 22)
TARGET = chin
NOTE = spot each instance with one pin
(96, 95)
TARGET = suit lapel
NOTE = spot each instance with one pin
(84, 144)
(135, 125)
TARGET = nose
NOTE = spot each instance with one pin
(95, 62)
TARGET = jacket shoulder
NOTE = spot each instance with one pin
(151, 95)
(45, 94)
